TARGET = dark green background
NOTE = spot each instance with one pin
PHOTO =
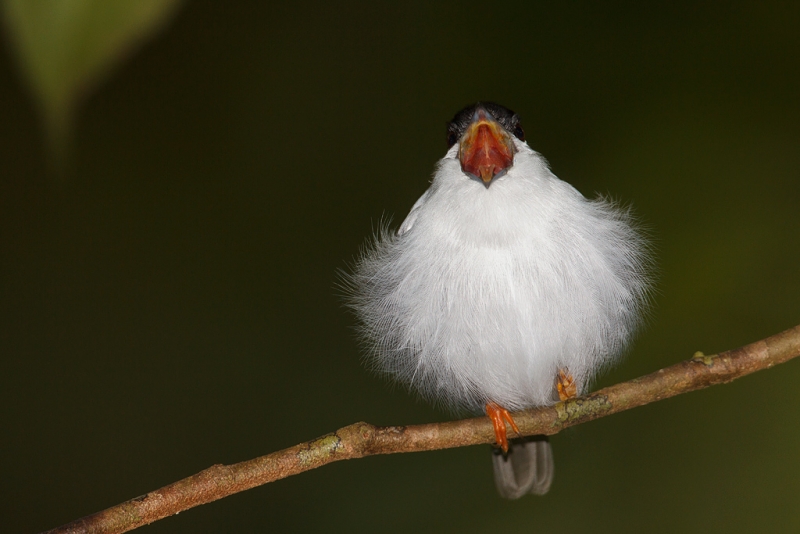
(171, 302)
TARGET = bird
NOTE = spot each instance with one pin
(503, 289)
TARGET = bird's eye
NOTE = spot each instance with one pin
(451, 139)
(519, 133)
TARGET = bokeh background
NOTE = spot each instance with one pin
(179, 188)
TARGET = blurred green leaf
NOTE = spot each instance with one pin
(65, 47)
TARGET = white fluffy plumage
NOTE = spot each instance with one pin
(484, 293)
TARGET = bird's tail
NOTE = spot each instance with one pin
(527, 467)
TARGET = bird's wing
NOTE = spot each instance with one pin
(412, 215)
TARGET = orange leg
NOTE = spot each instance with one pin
(566, 386)
(500, 416)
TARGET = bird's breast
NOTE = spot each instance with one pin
(503, 216)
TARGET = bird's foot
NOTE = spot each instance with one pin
(566, 386)
(500, 416)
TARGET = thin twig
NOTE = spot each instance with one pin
(362, 439)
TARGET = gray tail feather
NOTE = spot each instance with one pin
(527, 468)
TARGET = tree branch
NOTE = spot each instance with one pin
(362, 439)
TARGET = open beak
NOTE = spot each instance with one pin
(486, 150)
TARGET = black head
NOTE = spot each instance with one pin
(507, 119)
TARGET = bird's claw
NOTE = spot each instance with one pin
(500, 416)
(565, 385)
